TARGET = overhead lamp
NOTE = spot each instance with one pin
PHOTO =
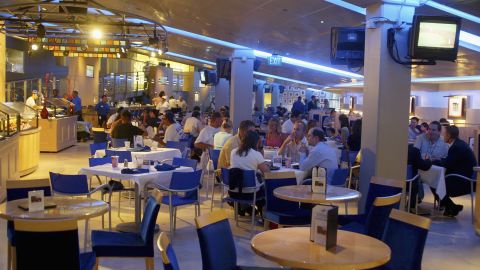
(34, 47)
(153, 54)
(96, 33)
(41, 31)
(160, 51)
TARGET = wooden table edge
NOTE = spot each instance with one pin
(281, 196)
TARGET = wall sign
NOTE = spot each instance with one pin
(456, 107)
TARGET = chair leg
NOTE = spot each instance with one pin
(149, 263)
(213, 196)
(119, 197)
(97, 262)
(235, 211)
(253, 218)
(175, 218)
(198, 204)
(14, 258)
(472, 206)
(9, 255)
(85, 240)
(346, 208)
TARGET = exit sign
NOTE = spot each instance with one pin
(274, 60)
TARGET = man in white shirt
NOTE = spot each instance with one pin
(431, 145)
(204, 140)
(287, 127)
(31, 101)
(172, 102)
(321, 155)
(295, 145)
(182, 104)
(174, 131)
(193, 125)
(221, 137)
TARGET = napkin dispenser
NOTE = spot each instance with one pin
(319, 180)
(36, 201)
(323, 229)
(138, 142)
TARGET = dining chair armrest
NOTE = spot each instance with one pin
(101, 187)
(412, 179)
(355, 167)
(305, 180)
(460, 176)
(166, 160)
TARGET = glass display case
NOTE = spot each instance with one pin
(28, 115)
(9, 121)
(58, 107)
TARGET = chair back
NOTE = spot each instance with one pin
(410, 172)
(338, 177)
(46, 244)
(406, 235)
(216, 241)
(122, 155)
(382, 187)
(192, 163)
(99, 135)
(118, 142)
(181, 145)
(169, 259)
(275, 180)
(97, 146)
(348, 157)
(65, 184)
(185, 180)
(378, 215)
(92, 162)
(18, 189)
(147, 228)
(248, 177)
(214, 154)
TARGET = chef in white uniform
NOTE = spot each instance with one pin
(31, 101)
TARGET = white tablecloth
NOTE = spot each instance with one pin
(435, 178)
(298, 173)
(161, 178)
(159, 154)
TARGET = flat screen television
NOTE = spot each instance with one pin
(208, 77)
(434, 37)
(203, 78)
(347, 46)
(224, 68)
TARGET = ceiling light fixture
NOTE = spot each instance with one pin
(96, 33)
(34, 47)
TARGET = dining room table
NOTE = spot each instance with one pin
(291, 247)
(158, 154)
(304, 194)
(139, 180)
(435, 178)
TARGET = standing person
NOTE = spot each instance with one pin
(102, 109)
(234, 142)
(460, 160)
(221, 137)
(32, 100)
(312, 104)
(298, 105)
(77, 105)
(321, 155)
(413, 131)
(354, 141)
(274, 137)
(182, 104)
(344, 128)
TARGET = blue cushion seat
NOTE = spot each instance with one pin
(119, 244)
(179, 200)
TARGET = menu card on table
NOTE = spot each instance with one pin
(319, 180)
(323, 229)
(36, 201)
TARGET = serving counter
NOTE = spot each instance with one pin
(8, 162)
(28, 150)
(57, 134)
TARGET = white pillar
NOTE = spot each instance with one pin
(241, 86)
(222, 93)
(260, 98)
(275, 95)
(386, 99)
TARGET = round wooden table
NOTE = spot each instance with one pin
(303, 193)
(291, 247)
(67, 208)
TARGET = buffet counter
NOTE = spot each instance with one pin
(28, 150)
(57, 133)
(8, 162)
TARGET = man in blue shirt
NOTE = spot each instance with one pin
(102, 109)
(298, 105)
(77, 106)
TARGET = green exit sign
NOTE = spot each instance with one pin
(274, 60)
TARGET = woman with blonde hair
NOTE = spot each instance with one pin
(275, 137)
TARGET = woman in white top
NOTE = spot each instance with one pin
(246, 157)
(221, 137)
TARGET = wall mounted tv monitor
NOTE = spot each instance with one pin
(208, 77)
(224, 67)
(434, 37)
(203, 78)
(347, 46)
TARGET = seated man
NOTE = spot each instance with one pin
(418, 163)
(204, 140)
(460, 160)
(173, 130)
(124, 129)
(295, 144)
(287, 126)
(431, 144)
(321, 155)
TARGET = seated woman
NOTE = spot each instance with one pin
(275, 137)
(246, 157)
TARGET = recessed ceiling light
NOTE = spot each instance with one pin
(321, 21)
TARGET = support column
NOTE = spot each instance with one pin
(275, 95)
(386, 99)
(260, 98)
(3, 71)
(241, 86)
(222, 93)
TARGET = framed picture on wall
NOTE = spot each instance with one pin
(89, 71)
(456, 107)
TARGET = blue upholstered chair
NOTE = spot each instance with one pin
(99, 135)
(169, 259)
(379, 187)
(122, 155)
(97, 146)
(187, 182)
(375, 220)
(217, 244)
(214, 154)
(181, 145)
(49, 244)
(249, 181)
(77, 185)
(338, 177)
(117, 244)
(186, 162)
(409, 183)
(283, 212)
(18, 189)
(116, 143)
(348, 157)
(406, 235)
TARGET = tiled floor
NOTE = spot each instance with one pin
(451, 243)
